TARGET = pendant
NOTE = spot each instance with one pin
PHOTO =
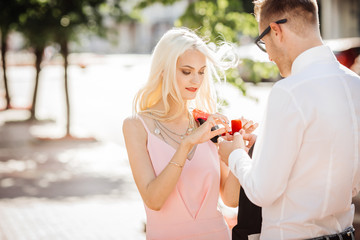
(157, 131)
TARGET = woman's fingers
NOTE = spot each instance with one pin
(248, 126)
(217, 132)
(221, 120)
(252, 128)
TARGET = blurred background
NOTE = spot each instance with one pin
(69, 72)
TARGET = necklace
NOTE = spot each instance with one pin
(160, 129)
(163, 127)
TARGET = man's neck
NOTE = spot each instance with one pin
(303, 46)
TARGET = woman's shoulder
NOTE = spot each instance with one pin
(132, 121)
(135, 123)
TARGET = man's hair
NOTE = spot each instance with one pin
(296, 11)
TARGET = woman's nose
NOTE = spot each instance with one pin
(195, 78)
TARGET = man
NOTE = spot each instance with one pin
(305, 167)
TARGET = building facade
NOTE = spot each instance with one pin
(339, 18)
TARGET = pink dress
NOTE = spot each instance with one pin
(191, 211)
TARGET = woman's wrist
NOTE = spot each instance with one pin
(186, 145)
(181, 154)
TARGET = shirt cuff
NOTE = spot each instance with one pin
(239, 163)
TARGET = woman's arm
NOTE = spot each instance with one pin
(153, 189)
(229, 186)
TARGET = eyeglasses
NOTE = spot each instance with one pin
(258, 40)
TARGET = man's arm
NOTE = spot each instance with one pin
(264, 178)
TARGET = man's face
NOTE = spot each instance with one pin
(276, 49)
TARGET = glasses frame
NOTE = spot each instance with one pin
(258, 40)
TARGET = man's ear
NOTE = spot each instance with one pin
(276, 31)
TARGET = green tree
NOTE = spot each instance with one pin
(229, 20)
(73, 17)
(219, 20)
(215, 19)
(62, 21)
(36, 25)
(10, 10)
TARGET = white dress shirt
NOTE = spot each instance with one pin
(305, 167)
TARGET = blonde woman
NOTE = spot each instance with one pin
(175, 165)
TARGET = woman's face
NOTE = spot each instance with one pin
(190, 70)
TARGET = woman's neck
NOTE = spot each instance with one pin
(182, 113)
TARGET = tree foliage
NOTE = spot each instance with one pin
(219, 20)
(146, 3)
(47, 22)
(10, 10)
(226, 20)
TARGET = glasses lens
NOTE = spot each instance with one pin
(261, 45)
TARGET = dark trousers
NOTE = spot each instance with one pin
(249, 216)
(249, 219)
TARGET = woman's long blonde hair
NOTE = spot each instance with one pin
(162, 84)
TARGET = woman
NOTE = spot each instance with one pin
(175, 165)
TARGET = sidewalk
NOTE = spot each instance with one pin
(65, 189)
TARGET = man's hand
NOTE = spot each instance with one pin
(251, 139)
(226, 146)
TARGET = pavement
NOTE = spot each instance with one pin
(64, 188)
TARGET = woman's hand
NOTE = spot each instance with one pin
(204, 133)
(248, 126)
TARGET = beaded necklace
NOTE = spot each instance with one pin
(161, 129)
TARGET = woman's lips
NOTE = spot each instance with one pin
(191, 89)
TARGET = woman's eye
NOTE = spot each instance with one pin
(201, 73)
(186, 72)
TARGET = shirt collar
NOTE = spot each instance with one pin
(310, 56)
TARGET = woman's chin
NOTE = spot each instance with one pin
(189, 98)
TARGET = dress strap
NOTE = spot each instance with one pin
(143, 122)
